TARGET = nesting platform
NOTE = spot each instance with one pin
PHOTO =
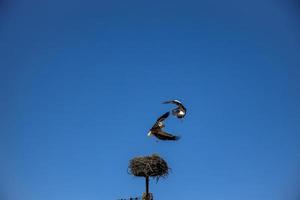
(149, 166)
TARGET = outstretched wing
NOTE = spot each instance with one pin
(163, 117)
(157, 124)
(177, 102)
(166, 136)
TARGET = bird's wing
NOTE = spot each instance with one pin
(166, 136)
(177, 102)
(163, 117)
(160, 119)
(182, 107)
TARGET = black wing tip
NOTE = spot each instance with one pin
(174, 101)
(166, 114)
(177, 138)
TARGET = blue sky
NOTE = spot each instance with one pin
(81, 83)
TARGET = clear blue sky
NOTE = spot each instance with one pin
(81, 82)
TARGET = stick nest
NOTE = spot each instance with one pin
(151, 166)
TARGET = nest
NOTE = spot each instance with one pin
(149, 166)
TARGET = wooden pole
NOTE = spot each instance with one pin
(147, 195)
(147, 186)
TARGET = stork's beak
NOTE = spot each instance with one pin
(149, 133)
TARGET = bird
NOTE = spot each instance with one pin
(157, 131)
(180, 111)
